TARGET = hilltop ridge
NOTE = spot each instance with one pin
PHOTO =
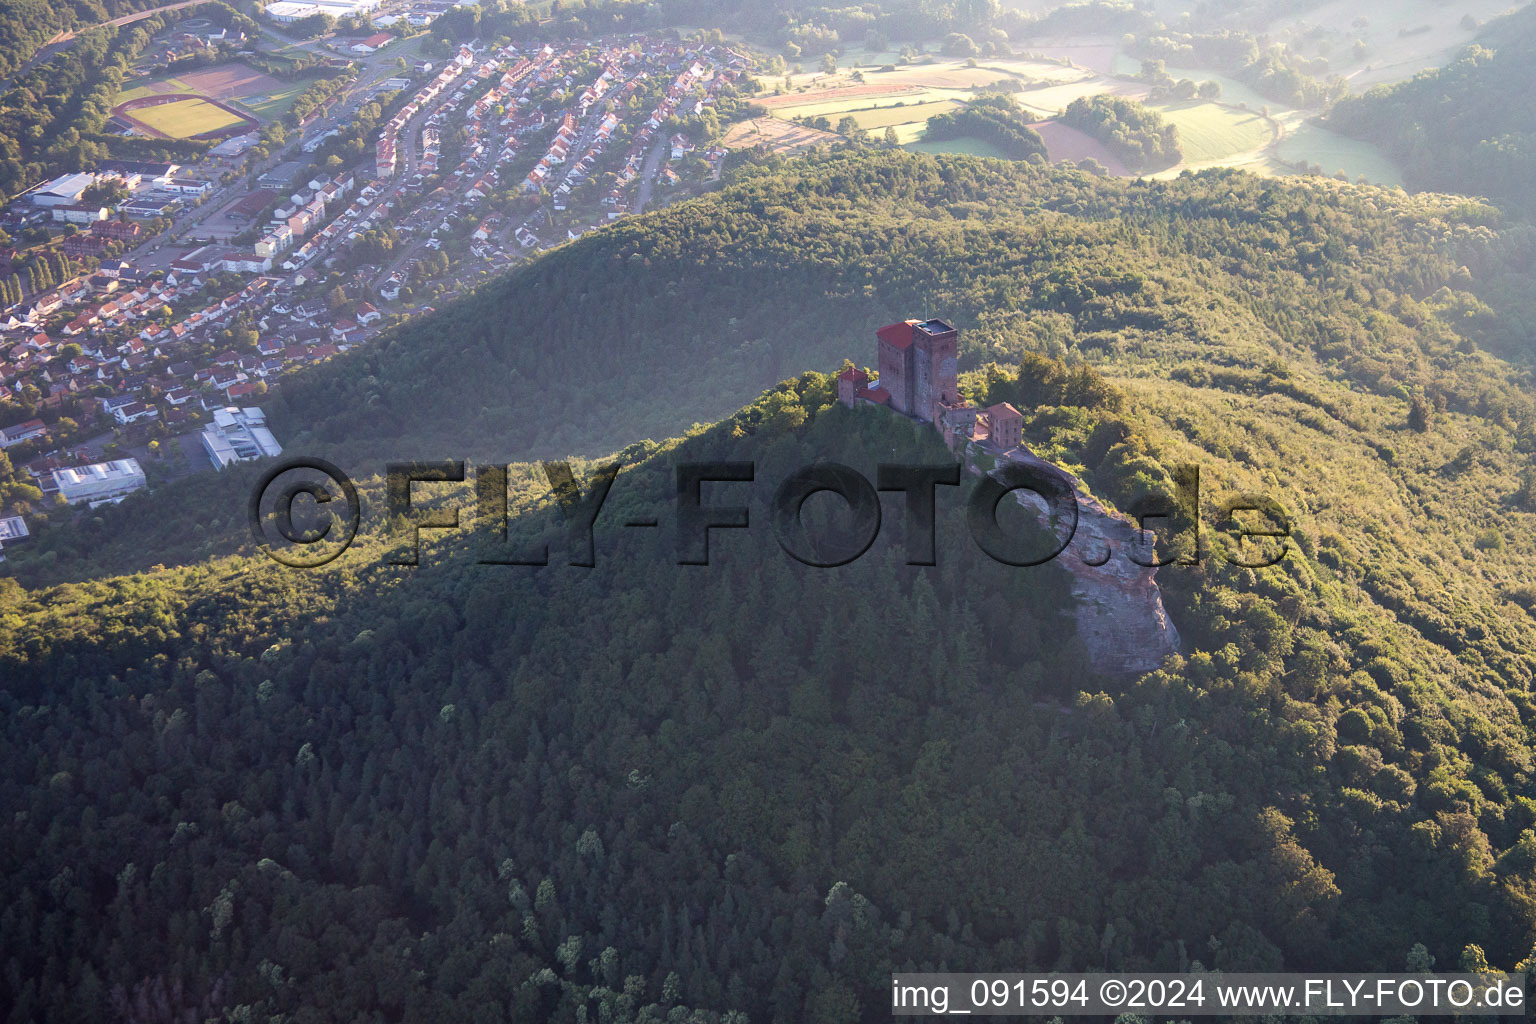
(1335, 769)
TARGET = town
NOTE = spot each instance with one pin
(148, 305)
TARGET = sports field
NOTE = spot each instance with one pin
(240, 84)
(273, 105)
(157, 88)
(182, 119)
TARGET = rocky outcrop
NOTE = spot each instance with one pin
(1119, 609)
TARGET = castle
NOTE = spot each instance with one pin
(1117, 605)
(917, 377)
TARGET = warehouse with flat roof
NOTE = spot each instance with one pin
(238, 435)
(99, 482)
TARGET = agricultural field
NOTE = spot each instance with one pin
(1334, 152)
(865, 58)
(183, 119)
(1053, 99)
(777, 135)
(1210, 133)
(1063, 142)
(1232, 91)
(1093, 53)
(972, 147)
(905, 98)
(1297, 138)
(880, 118)
(1401, 37)
(1236, 131)
(847, 101)
(947, 74)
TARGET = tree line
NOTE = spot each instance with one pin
(1135, 133)
(993, 119)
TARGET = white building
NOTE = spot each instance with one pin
(12, 529)
(188, 186)
(275, 241)
(286, 12)
(78, 213)
(234, 145)
(339, 9)
(314, 142)
(245, 263)
(12, 436)
(65, 189)
(238, 435)
(100, 482)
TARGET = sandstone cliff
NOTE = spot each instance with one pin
(1119, 609)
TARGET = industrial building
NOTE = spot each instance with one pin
(238, 435)
(12, 529)
(286, 12)
(64, 190)
(99, 482)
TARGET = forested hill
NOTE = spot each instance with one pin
(462, 792)
(26, 25)
(1468, 127)
(643, 328)
(647, 326)
(742, 792)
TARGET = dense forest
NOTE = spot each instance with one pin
(815, 27)
(751, 790)
(1135, 133)
(1467, 127)
(26, 25)
(1272, 70)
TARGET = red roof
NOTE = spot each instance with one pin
(378, 39)
(877, 395)
(853, 373)
(897, 335)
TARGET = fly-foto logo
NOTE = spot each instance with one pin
(325, 498)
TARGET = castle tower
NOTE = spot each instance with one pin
(935, 364)
(895, 362)
(917, 361)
